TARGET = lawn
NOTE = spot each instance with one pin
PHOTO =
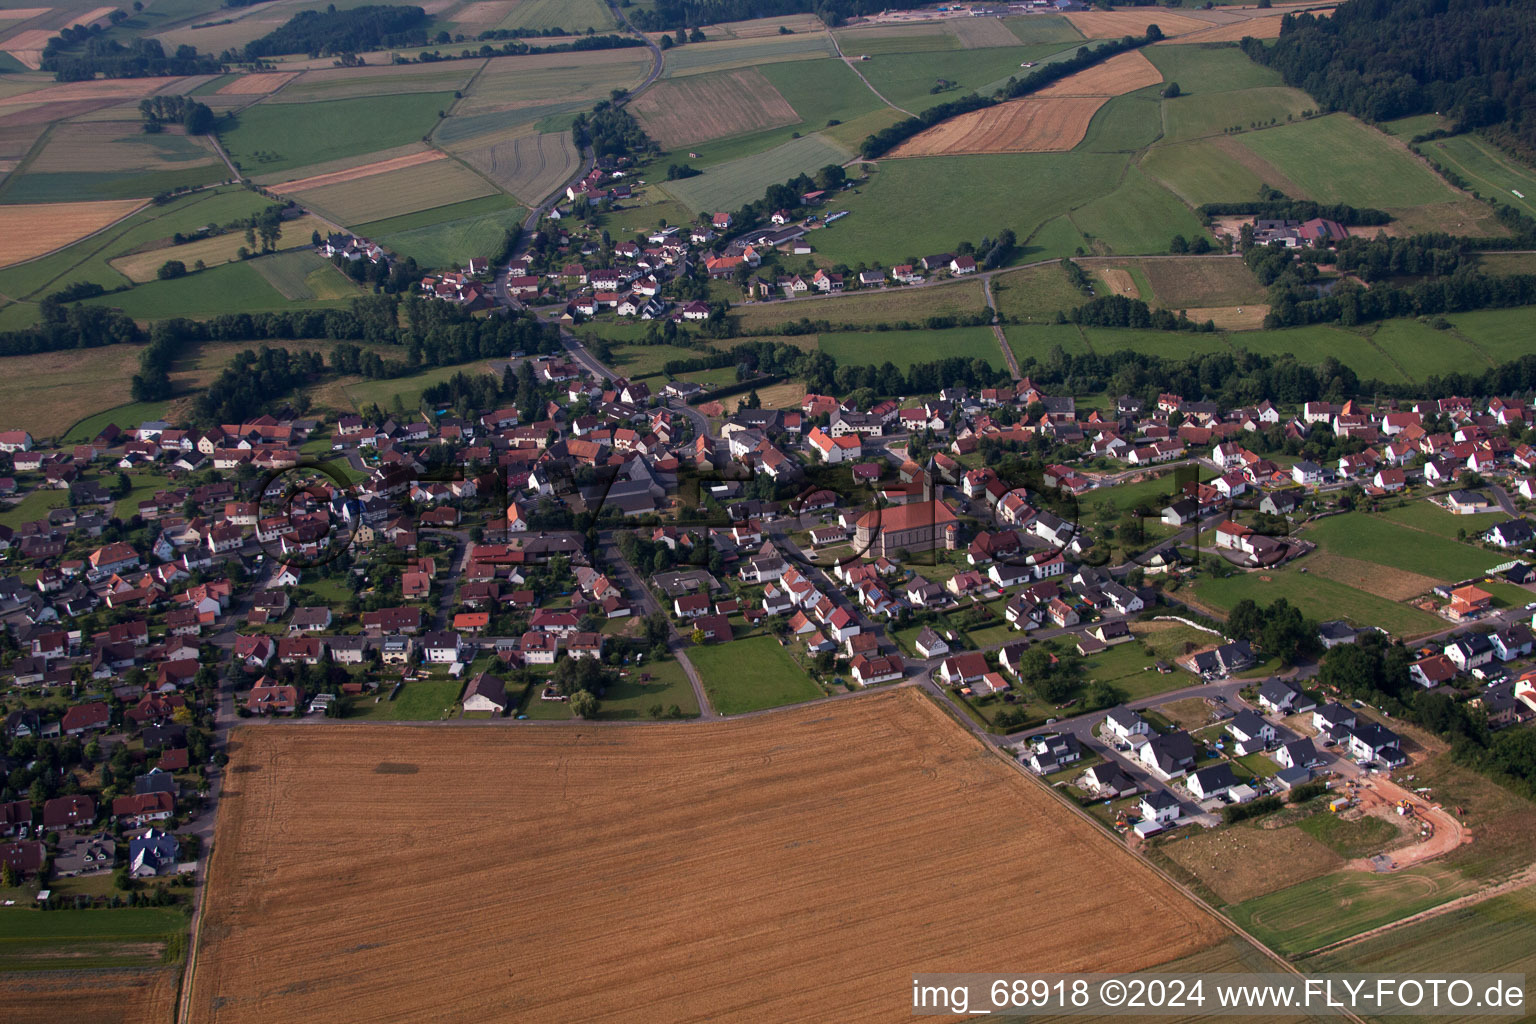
(275, 137)
(1379, 170)
(77, 939)
(1129, 670)
(630, 699)
(750, 675)
(35, 505)
(403, 392)
(930, 204)
(905, 348)
(645, 360)
(125, 416)
(420, 700)
(1431, 518)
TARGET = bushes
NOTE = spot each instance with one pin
(1253, 809)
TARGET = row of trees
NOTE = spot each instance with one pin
(79, 54)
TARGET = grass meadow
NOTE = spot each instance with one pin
(273, 137)
(907, 347)
(750, 675)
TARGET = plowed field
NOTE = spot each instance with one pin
(789, 867)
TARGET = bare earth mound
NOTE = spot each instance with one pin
(104, 997)
(366, 171)
(1029, 125)
(1114, 24)
(678, 112)
(791, 867)
(258, 85)
(1117, 76)
(30, 230)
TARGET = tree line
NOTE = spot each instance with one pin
(332, 31)
(666, 15)
(79, 55)
(887, 139)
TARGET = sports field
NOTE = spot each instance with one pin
(698, 108)
(664, 838)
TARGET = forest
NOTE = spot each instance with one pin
(79, 55)
(331, 31)
(1473, 61)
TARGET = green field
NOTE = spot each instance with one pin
(1496, 936)
(574, 16)
(1314, 343)
(302, 275)
(1350, 838)
(1125, 124)
(447, 236)
(907, 347)
(76, 186)
(125, 416)
(695, 58)
(1336, 906)
(906, 79)
(1211, 113)
(1486, 169)
(1168, 344)
(645, 360)
(1431, 518)
(731, 185)
(750, 675)
(230, 288)
(1379, 170)
(420, 700)
(629, 699)
(407, 390)
(1038, 342)
(273, 137)
(929, 204)
(1035, 293)
(78, 939)
(1501, 335)
(1318, 598)
(1140, 216)
(1209, 69)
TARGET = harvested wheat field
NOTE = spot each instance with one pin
(102, 996)
(397, 163)
(707, 871)
(261, 84)
(24, 13)
(1258, 28)
(1117, 76)
(1019, 126)
(680, 112)
(27, 47)
(1114, 24)
(31, 229)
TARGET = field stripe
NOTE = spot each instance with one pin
(365, 171)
